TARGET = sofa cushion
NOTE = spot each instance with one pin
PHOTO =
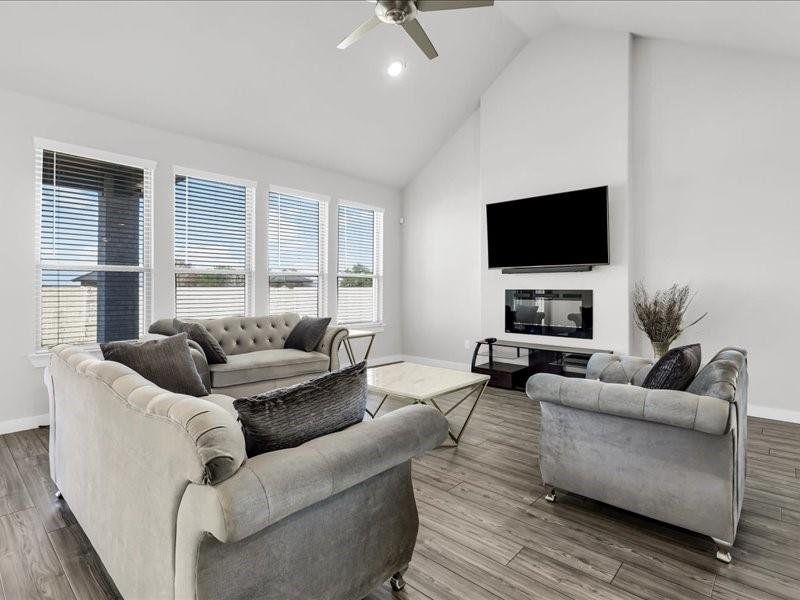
(264, 365)
(675, 370)
(166, 362)
(291, 416)
(207, 342)
(307, 334)
(163, 327)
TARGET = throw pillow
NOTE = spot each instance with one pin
(197, 332)
(307, 334)
(288, 417)
(166, 362)
(675, 370)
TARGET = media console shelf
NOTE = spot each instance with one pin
(513, 373)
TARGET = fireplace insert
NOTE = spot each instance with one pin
(561, 313)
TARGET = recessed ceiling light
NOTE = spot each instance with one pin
(395, 68)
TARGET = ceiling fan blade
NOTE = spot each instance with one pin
(417, 33)
(428, 5)
(359, 32)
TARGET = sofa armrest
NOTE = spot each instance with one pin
(272, 486)
(330, 344)
(669, 407)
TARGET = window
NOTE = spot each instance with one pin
(93, 236)
(297, 248)
(213, 245)
(360, 265)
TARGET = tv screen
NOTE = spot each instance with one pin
(570, 228)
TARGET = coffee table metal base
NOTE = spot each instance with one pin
(456, 437)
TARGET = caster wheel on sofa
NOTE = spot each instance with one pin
(550, 496)
(397, 582)
(723, 551)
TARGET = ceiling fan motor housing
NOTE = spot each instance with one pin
(396, 12)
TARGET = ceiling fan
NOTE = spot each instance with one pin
(404, 13)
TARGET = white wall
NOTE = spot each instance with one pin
(555, 120)
(22, 118)
(441, 251)
(699, 146)
(716, 174)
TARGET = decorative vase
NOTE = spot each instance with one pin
(659, 348)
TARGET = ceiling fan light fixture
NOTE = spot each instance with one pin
(404, 13)
(395, 68)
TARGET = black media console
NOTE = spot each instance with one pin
(512, 373)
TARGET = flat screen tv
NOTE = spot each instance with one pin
(566, 229)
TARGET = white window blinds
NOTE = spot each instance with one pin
(213, 247)
(93, 236)
(360, 265)
(297, 248)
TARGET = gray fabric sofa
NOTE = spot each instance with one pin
(161, 485)
(257, 360)
(678, 457)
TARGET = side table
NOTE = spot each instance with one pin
(354, 334)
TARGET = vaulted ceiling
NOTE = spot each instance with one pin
(267, 75)
(263, 75)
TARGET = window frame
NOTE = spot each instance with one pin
(324, 202)
(250, 216)
(41, 145)
(377, 275)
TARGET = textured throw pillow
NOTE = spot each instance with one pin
(166, 362)
(197, 332)
(675, 370)
(288, 417)
(307, 334)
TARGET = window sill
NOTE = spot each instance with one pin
(373, 327)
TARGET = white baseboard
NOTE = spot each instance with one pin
(25, 423)
(777, 414)
(435, 362)
(423, 360)
(385, 360)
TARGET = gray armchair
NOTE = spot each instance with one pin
(678, 457)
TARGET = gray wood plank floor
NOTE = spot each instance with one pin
(486, 532)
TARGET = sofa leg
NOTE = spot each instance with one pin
(397, 582)
(58, 495)
(723, 550)
(550, 494)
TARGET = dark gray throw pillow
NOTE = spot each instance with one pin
(307, 334)
(675, 370)
(288, 417)
(197, 332)
(166, 362)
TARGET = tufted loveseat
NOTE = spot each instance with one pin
(257, 360)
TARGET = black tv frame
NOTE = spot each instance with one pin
(559, 267)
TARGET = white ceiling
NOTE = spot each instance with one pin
(263, 75)
(763, 26)
(267, 75)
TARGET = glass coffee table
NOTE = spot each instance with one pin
(422, 384)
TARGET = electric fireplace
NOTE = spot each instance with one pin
(560, 313)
